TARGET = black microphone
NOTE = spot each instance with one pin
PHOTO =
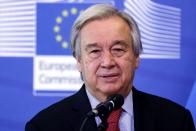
(104, 109)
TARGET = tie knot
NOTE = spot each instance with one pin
(114, 116)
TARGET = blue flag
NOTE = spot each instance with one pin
(54, 22)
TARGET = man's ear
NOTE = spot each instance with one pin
(78, 63)
(137, 61)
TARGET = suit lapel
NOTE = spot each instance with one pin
(143, 113)
(80, 108)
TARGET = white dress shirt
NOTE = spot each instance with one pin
(126, 122)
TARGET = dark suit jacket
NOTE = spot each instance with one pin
(151, 113)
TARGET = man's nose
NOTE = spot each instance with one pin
(107, 60)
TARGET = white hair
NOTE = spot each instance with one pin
(98, 12)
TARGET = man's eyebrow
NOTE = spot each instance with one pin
(91, 45)
(121, 42)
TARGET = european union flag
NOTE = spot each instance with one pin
(54, 22)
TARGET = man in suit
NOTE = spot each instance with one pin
(106, 44)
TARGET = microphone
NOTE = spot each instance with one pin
(104, 109)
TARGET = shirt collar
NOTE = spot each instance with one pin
(128, 103)
(93, 100)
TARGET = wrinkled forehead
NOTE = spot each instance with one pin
(106, 27)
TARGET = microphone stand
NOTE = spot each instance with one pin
(103, 126)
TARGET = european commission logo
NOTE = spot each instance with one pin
(54, 22)
(54, 67)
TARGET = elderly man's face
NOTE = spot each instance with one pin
(107, 62)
